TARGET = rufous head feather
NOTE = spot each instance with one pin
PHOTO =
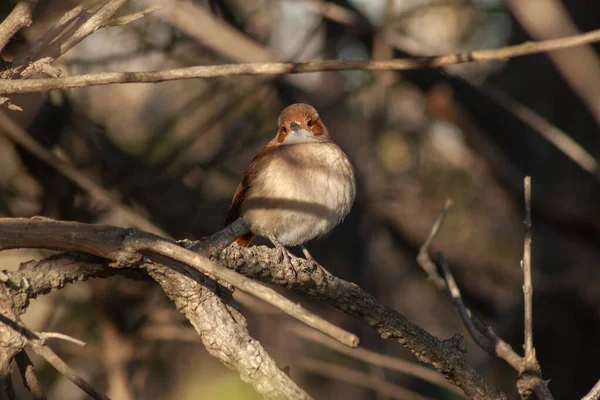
(300, 123)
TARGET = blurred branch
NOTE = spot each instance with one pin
(354, 377)
(530, 377)
(19, 17)
(58, 40)
(220, 37)
(580, 67)
(594, 394)
(8, 86)
(551, 133)
(26, 369)
(373, 358)
(37, 344)
(47, 354)
(21, 137)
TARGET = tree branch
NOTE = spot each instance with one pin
(30, 381)
(121, 246)
(8, 86)
(527, 287)
(19, 17)
(125, 246)
(222, 331)
(315, 282)
(530, 377)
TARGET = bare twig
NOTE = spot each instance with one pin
(465, 314)
(47, 354)
(20, 136)
(8, 86)
(354, 377)
(530, 376)
(19, 17)
(594, 394)
(527, 287)
(30, 381)
(561, 140)
(56, 335)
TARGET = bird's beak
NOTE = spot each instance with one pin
(295, 127)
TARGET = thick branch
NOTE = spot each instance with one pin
(125, 246)
(220, 328)
(8, 86)
(313, 281)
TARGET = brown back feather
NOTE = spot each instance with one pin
(240, 193)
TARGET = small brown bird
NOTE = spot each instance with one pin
(298, 187)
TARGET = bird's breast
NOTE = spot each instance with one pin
(301, 192)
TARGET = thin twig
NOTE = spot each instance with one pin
(56, 335)
(27, 371)
(530, 376)
(373, 358)
(527, 287)
(465, 314)
(354, 377)
(47, 354)
(8, 86)
(423, 257)
(126, 19)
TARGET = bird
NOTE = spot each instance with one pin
(298, 187)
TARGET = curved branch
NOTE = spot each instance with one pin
(221, 329)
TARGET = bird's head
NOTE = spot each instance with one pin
(300, 123)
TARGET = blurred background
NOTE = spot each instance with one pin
(175, 152)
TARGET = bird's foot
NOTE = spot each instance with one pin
(285, 253)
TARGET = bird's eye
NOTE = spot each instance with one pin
(310, 122)
(284, 129)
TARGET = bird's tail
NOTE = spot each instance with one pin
(245, 240)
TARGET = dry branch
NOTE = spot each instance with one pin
(221, 329)
(8, 86)
(19, 17)
(126, 246)
(313, 281)
(256, 262)
(530, 374)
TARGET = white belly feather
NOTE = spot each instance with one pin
(302, 193)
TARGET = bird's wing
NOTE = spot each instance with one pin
(240, 193)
